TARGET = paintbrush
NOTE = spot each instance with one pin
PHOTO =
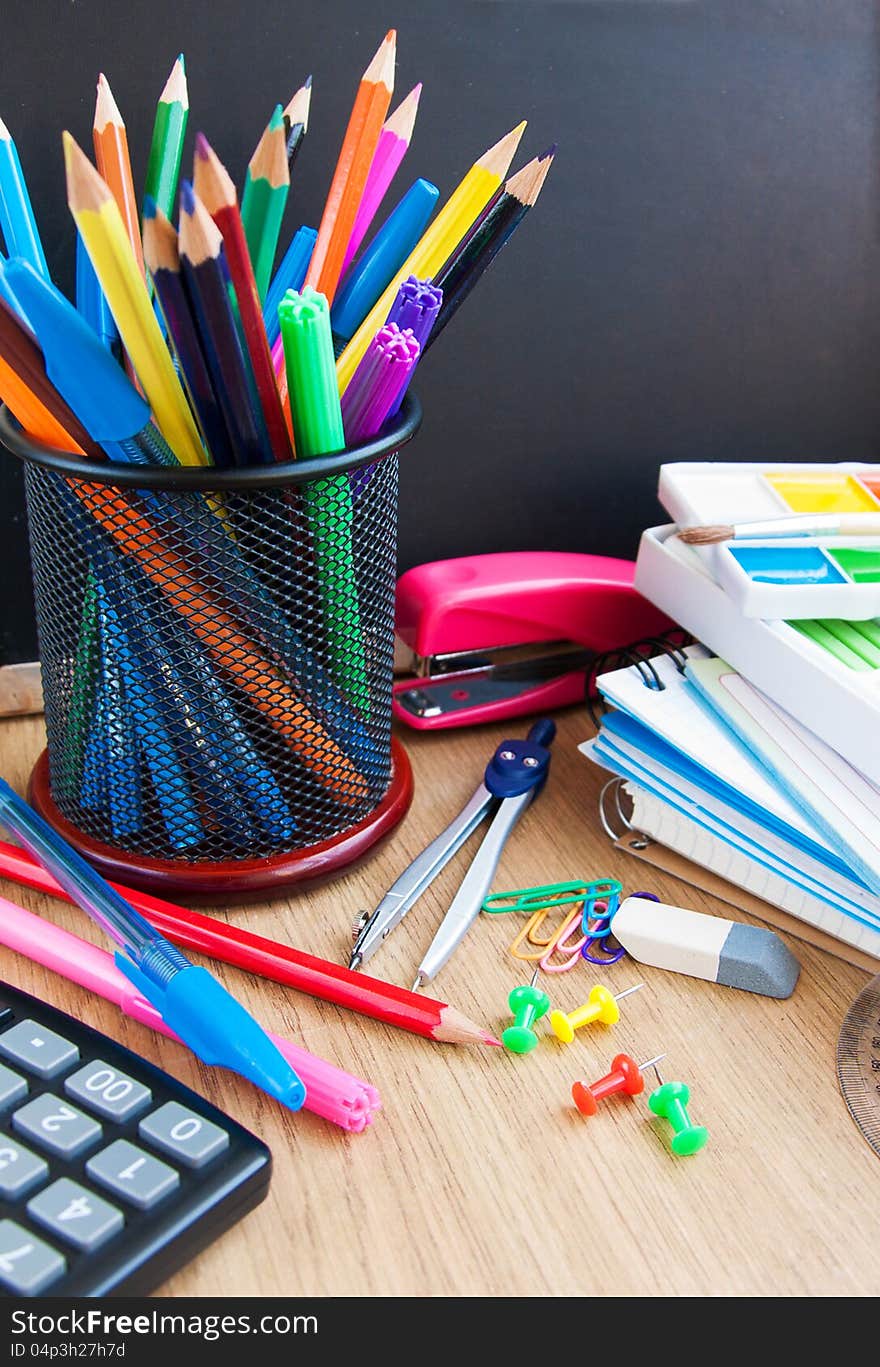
(814, 524)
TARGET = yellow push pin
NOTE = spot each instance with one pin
(601, 1006)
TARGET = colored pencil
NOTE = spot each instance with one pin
(464, 205)
(124, 517)
(214, 187)
(114, 165)
(30, 395)
(296, 121)
(478, 249)
(392, 245)
(99, 222)
(163, 262)
(20, 231)
(391, 149)
(379, 379)
(290, 275)
(166, 146)
(265, 194)
(230, 944)
(318, 431)
(350, 176)
(203, 262)
(90, 300)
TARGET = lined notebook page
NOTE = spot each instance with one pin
(675, 830)
(842, 802)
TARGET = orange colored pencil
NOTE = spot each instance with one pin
(114, 164)
(29, 394)
(355, 159)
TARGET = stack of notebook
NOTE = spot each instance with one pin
(756, 755)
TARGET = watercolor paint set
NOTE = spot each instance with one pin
(803, 576)
(822, 672)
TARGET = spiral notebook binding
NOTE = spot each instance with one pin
(639, 655)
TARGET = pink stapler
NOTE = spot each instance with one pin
(495, 636)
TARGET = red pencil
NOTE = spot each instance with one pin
(256, 954)
(215, 189)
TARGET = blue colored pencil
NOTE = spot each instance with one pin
(289, 276)
(17, 220)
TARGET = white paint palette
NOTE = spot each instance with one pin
(789, 578)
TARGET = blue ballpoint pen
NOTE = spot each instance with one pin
(190, 1000)
(386, 253)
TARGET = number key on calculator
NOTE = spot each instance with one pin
(112, 1174)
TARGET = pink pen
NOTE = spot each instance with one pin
(330, 1092)
(390, 150)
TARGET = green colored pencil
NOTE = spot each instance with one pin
(166, 149)
(266, 188)
(317, 430)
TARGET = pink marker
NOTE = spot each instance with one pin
(331, 1093)
(390, 150)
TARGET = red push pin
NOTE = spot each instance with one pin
(625, 1076)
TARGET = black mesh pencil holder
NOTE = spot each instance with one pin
(216, 651)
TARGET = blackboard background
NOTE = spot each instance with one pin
(700, 280)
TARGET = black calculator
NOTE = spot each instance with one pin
(112, 1174)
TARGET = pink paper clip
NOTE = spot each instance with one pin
(559, 945)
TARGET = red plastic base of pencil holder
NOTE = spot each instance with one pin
(238, 880)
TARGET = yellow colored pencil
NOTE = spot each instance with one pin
(467, 200)
(102, 230)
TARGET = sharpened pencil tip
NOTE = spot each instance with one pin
(277, 119)
(308, 83)
(150, 206)
(203, 147)
(551, 152)
(5, 135)
(490, 1039)
(187, 197)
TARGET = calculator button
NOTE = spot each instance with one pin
(55, 1126)
(183, 1134)
(19, 1168)
(128, 1171)
(27, 1265)
(39, 1050)
(74, 1214)
(107, 1091)
(12, 1087)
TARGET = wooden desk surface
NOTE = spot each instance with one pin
(479, 1177)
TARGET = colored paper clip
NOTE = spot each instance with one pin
(570, 953)
(603, 899)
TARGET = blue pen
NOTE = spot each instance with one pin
(170, 783)
(189, 999)
(290, 275)
(91, 301)
(8, 297)
(85, 373)
(385, 255)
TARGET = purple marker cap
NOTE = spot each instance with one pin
(416, 307)
(378, 382)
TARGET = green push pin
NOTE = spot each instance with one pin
(528, 1004)
(670, 1102)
